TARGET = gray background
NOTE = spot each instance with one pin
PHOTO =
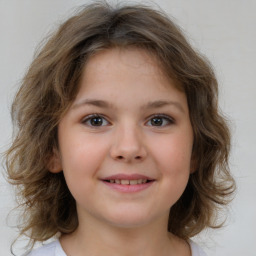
(223, 30)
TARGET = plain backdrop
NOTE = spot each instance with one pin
(223, 30)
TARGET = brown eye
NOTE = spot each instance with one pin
(95, 120)
(156, 121)
(160, 121)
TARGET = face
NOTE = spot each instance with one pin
(125, 143)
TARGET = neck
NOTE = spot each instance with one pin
(93, 238)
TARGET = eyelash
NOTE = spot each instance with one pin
(167, 118)
(90, 117)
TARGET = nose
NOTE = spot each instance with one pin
(128, 145)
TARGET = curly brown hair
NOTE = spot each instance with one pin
(52, 83)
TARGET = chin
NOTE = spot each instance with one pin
(129, 220)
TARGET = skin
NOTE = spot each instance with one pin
(127, 141)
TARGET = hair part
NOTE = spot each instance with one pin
(52, 83)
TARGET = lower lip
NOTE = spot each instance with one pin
(129, 188)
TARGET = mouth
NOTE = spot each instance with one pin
(128, 183)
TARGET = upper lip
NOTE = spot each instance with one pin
(121, 176)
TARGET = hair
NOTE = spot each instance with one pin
(51, 85)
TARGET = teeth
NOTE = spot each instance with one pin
(125, 182)
(129, 182)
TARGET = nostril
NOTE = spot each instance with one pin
(122, 157)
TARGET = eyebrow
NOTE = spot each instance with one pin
(150, 105)
(163, 103)
(93, 102)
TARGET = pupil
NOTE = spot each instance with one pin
(157, 121)
(96, 121)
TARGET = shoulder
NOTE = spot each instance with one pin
(195, 249)
(51, 249)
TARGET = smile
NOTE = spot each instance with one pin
(128, 182)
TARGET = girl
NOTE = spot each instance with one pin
(120, 147)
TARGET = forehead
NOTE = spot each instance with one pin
(120, 61)
(129, 58)
(125, 77)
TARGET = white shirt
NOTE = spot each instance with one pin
(55, 249)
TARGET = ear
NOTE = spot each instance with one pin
(193, 164)
(192, 167)
(54, 164)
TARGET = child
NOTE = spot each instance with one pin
(120, 147)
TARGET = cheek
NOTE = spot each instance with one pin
(174, 152)
(173, 158)
(81, 158)
(80, 167)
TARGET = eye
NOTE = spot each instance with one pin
(160, 120)
(95, 120)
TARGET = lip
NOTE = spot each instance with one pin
(128, 188)
(122, 176)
